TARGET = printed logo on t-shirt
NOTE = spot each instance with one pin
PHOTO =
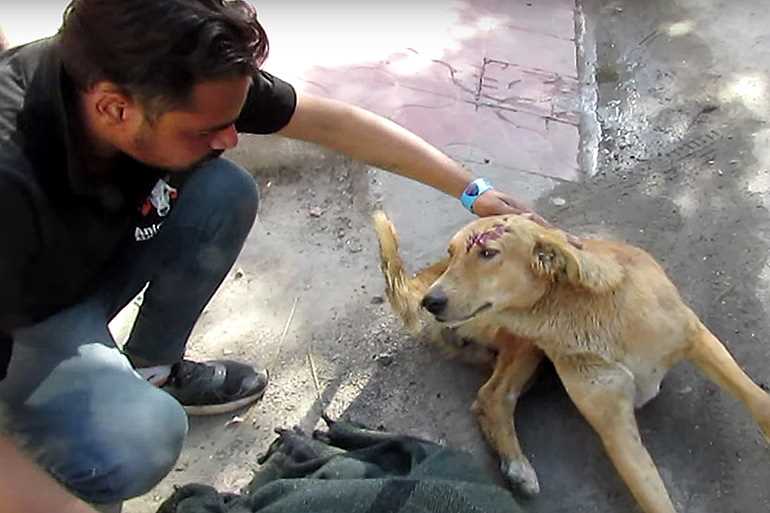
(157, 206)
(160, 198)
(147, 233)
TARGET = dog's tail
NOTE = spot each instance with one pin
(404, 292)
(471, 343)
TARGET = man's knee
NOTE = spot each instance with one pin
(139, 453)
(233, 190)
(117, 444)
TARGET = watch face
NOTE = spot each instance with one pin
(472, 189)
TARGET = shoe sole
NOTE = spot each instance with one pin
(218, 409)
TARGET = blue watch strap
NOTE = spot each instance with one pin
(472, 192)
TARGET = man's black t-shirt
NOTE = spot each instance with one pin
(59, 226)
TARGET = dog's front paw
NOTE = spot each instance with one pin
(521, 476)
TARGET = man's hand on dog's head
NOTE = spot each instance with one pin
(494, 203)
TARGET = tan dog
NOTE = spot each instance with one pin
(478, 342)
(606, 315)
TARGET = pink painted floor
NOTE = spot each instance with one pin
(487, 81)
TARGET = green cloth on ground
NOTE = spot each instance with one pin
(351, 469)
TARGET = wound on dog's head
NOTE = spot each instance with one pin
(481, 239)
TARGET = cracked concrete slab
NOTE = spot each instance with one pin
(499, 77)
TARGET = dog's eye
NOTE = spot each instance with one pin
(488, 253)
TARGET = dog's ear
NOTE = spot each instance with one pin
(558, 261)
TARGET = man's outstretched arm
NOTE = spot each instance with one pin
(371, 138)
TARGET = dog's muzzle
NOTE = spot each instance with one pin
(435, 301)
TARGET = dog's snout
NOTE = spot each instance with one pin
(435, 301)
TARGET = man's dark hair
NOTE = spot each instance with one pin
(157, 50)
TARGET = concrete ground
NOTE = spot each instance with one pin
(683, 172)
(682, 90)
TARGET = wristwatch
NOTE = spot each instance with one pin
(473, 191)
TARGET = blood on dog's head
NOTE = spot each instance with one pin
(509, 262)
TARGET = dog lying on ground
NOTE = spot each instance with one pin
(512, 292)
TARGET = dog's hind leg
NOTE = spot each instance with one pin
(516, 363)
(708, 353)
(604, 393)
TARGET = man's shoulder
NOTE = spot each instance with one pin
(269, 106)
(20, 62)
(17, 67)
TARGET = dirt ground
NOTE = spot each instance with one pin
(683, 171)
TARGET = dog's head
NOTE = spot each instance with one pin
(509, 262)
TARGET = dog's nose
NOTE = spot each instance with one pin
(435, 301)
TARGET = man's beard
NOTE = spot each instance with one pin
(214, 154)
(182, 169)
(142, 144)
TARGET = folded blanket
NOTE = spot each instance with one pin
(352, 469)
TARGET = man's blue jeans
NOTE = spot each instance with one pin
(72, 398)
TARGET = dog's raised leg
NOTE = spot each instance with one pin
(604, 394)
(708, 353)
(516, 363)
